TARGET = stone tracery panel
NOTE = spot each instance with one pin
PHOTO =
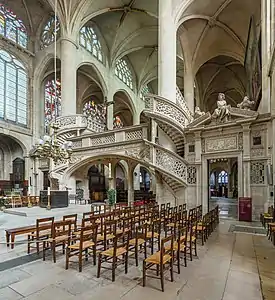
(257, 172)
(191, 175)
(221, 144)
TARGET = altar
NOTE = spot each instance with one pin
(58, 199)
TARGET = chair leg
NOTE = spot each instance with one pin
(136, 254)
(29, 244)
(44, 251)
(114, 269)
(185, 257)
(190, 250)
(144, 273)
(80, 261)
(172, 270)
(94, 254)
(195, 247)
(99, 265)
(53, 246)
(162, 278)
(126, 263)
(67, 258)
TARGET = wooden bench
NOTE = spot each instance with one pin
(11, 233)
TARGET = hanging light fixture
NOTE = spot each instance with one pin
(48, 146)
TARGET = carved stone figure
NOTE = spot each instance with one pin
(246, 104)
(198, 113)
(222, 112)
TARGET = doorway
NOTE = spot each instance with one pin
(223, 186)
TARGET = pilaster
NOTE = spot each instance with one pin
(246, 160)
(68, 77)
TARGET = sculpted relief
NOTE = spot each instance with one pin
(222, 112)
(246, 104)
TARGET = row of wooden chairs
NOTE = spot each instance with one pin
(113, 235)
(268, 221)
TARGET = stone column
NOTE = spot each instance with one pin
(198, 162)
(131, 192)
(112, 175)
(189, 89)
(68, 77)
(110, 115)
(246, 161)
(137, 178)
(167, 51)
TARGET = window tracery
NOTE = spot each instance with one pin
(89, 40)
(13, 89)
(12, 27)
(47, 36)
(145, 90)
(52, 101)
(124, 73)
(223, 178)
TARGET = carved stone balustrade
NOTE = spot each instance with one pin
(168, 162)
(180, 99)
(74, 122)
(107, 138)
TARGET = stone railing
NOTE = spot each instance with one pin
(166, 110)
(168, 162)
(107, 138)
(180, 99)
(71, 122)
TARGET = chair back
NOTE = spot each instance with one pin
(73, 219)
(88, 234)
(121, 240)
(166, 248)
(43, 226)
(62, 228)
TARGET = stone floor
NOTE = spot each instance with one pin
(231, 266)
(228, 207)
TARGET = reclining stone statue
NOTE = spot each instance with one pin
(246, 104)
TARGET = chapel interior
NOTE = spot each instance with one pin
(153, 119)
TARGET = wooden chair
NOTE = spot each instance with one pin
(179, 246)
(191, 242)
(153, 233)
(43, 231)
(73, 219)
(138, 242)
(83, 246)
(118, 254)
(202, 228)
(60, 236)
(160, 260)
(108, 232)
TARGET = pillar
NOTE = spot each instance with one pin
(131, 193)
(68, 77)
(246, 161)
(167, 51)
(189, 89)
(112, 175)
(137, 178)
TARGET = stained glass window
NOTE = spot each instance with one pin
(47, 36)
(145, 90)
(13, 89)
(223, 177)
(124, 73)
(52, 101)
(89, 40)
(12, 27)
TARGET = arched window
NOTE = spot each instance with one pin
(89, 40)
(12, 27)
(145, 90)
(124, 73)
(223, 178)
(13, 89)
(52, 101)
(47, 36)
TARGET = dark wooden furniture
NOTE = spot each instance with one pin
(58, 199)
(13, 232)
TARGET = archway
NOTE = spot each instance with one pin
(123, 110)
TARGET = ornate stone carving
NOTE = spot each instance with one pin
(246, 104)
(257, 172)
(95, 126)
(221, 144)
(77, 144)
(240, 141)
(65, 121)
(180, 99)
(222, 112)
(134, 135)
(171, 164)
(198, 113)
(202, 145)
(103, 140)
(257, 152)
(191, 175)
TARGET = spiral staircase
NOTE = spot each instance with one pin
(92, 142)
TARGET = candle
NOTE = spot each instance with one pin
(110, 170)
(49, 191)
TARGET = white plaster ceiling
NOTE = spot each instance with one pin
(210, 30)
